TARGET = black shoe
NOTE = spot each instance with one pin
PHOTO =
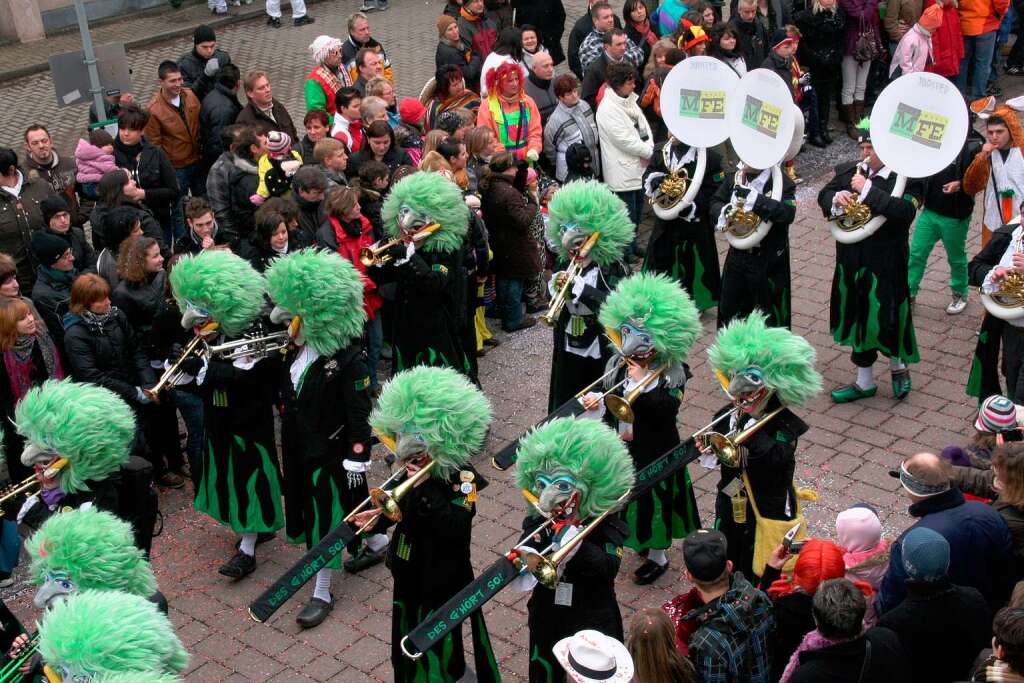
(365, 559)
(239, 566)
(493, 341)
(817, 141)
(314, 613)
(528, 322)
(537, 308)
(649, 572)
(303, 20)
(274, 22)
(826, 138)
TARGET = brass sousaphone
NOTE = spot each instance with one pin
(918, 126)
(693, 100)
(763, 127)
(1007, 302)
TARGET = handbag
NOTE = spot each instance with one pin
(867, 48)
(768, 533)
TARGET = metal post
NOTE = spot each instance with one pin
(90, 60)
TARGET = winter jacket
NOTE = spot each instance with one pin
(667, 16)
(549, 18)
(60, 175)
(821, 42)
(258, 254)
(193, 71)
(461, 56)
(543, 94)
(19, 217)
(354, 236)
(350, 48)
(677, 608)
(566, 126)
(942, 627)
(152, 171)
(981, 16)
(626, 141)
(150, 226)
(580, 30)
(513, 138)
(242, 181)
(860, 14)
(980, 549)
(92, 162)
(753, 41)
(593, 46)
(395, 157)
(51, 295)
(142, 304)
(218, 191)
(794, 619)
(282, 121)
(731, 642)
(320, 87)
(311, 216)
(783, 67)
(220, 109)
(509, 215)
(912, 53)
(844, 662)
(176, 130)
(909, 11)
(85, 256)
(979, 483)
(189, 243)
(594, 79)
(947, 43)
(107, 354)
(479, 32)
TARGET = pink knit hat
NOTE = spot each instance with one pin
(858, 529)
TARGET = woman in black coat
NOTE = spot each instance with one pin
(548, 16)
(822, 36)
(148, 166)
(269, 240)
(117, 189)
(453, 49)
(243, 181)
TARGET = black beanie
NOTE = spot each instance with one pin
(47, 247)
(203, 34)
(51, 206)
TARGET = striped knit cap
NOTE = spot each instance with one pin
(997, 414)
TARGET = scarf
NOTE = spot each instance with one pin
(1000, 672)
(469, 16)
(97, 321)
(65, 276)
(644, 29)
(812, 641)
(19, 365)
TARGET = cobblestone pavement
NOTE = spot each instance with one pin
(844, 456)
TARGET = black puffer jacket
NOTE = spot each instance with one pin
(220, 108)
(152, 171)
(51, 294)
(142, 303)
(193, 71)
(107, 354)
(19, 218)
(98, 221)
(244, 180)
(449, 54)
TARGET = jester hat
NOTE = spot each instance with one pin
(440, 408)
(588, 206)
(435, 199)
(95, 549)
(660, 307)
(589, 449)
(87, 424)
(106, 632)
(222, 284)
(326, 291)
(786, 360)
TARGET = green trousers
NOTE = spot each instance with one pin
(930, 228)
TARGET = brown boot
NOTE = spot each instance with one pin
(851, 125)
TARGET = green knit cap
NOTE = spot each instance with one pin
(223, 284)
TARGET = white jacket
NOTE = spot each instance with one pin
(626, 141)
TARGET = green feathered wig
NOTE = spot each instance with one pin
(326, 291)
(221, 283)
(441, 406)
(591, 206)
(96, 548)
(786, 360)
(658, 305)
(107, 632)
(434, 197)
(589, 449)
(139, 677)
(87, 424)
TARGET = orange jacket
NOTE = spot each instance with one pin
(534, 130)
(175, 133)
(981, 16)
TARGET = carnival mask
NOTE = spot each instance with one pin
(748, 390)
(279, 316)
(56, 586)
(558, 495)
(411, 449)
(636, 343)
(195, 317)
(410, 221)
(573, 238)
(46, 462)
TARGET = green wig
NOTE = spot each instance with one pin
(223, 284)
(440, 405)
(107, 632)
(87, 424)
(658, 305)
(589, 449)
(139, 677)
(96, 548)
(436, 197)
(591, 206)
(786, 360)
(326, 291)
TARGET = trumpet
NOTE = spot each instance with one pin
(856, 213)
(23, 488)
(386, 500)
(11, 671)
(727, 446)
(254, 348)
(574, 269)
(622, 406)
(174, 373)
(376, 255)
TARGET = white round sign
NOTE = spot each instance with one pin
(797, 140)
(919, 124)
(759, 114)
(693, 100)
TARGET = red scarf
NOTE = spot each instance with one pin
(644, 29)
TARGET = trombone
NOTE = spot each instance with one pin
(376, 255)
(574, 269)
(255, 348)
(727, 446)
(174, 373)
(622, 406)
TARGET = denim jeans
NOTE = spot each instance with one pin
(374, 341)
(978, 51)
(1002, 37)
(190, 407)
(191, 181)
(510, 302)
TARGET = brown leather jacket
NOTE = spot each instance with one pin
(175, 132)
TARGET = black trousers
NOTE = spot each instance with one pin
(1013, 362)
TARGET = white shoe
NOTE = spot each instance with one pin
(957, 305)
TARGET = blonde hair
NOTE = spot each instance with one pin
(432, 139)
(325, 148)
(659, 49)
(652, 645)
(433, 161)
(1008, 460)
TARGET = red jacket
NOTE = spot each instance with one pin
(677, 608)
(349, 246)
(947, 43)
